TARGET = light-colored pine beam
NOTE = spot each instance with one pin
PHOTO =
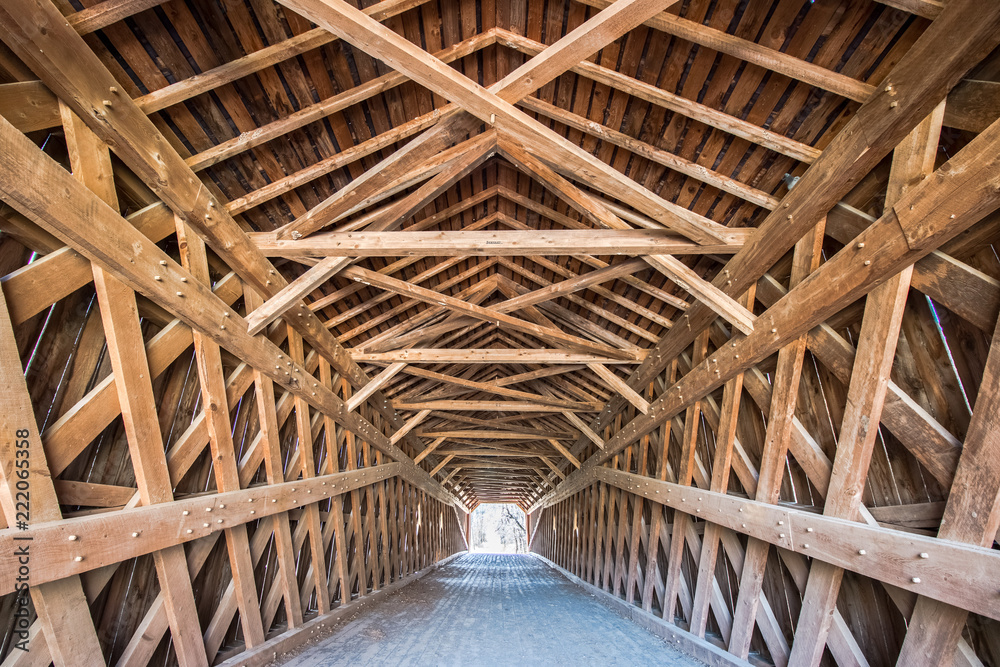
(642, 149)
(584, 429)
(492, 243)
(486, 435)
(294, 292)
(591, 208)
(486, 356)
(442, 464)
(487, 387)
(429, 450)
(494, 406)
(713, 297)
(410, 424)
(486, 314)
(358, 398)
(615, 383)
(565, 452)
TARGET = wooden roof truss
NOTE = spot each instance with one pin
(709, 290)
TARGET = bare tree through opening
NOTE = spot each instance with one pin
(498, 528)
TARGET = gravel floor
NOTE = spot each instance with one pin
(490, 609)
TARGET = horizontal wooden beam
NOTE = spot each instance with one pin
(495, 406)
(488, 387)
(28, 181)
(485, 356)
(887, 555)
(491, 243)
(485, 435)
(108, 538)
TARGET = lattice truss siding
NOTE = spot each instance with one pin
(289, 289)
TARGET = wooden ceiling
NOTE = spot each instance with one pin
(541, 252)
(500, 338)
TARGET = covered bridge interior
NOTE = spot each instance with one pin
(708, 288)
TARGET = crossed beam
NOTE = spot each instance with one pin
(516, 131)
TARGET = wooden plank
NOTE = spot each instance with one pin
(584, 429)
(359, 398)
(485, 356)
(29, 105)
(725, 439)
(294, 292)
(616, 384)
(307, 464)
(913, 160)
(490, 387)
(332, 465)
(490, 243)
(640, 148)
(165, 525)
(489, 315)
(917, 84)
(727, 307)
(67, 628)
(492, 406)
(103, 14)
(90, 162)
(971, 516)
(972, 105)
(585, 204)
(684, 477)
(410, 424)
(270, 438)
(97, 232)
(227, 475)
(354, 27)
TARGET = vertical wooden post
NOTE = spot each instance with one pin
(63, 612)
(90, 161)
(310, 513)
(270, 441)
(779, 424)
(227, 474)
(912, 160)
